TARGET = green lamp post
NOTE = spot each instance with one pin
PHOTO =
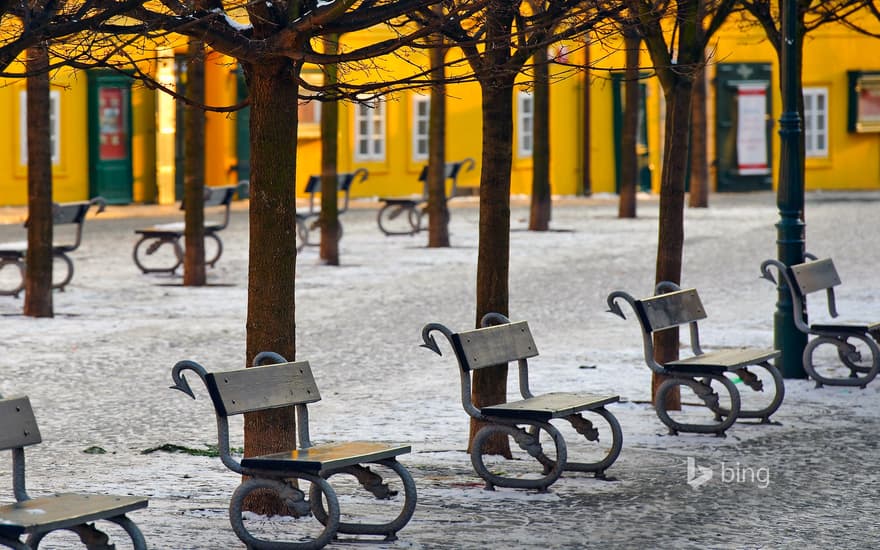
(790, 194)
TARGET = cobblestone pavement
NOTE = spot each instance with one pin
(97, 375)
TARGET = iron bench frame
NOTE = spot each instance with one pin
(37, 517)
(156, 236)
(282, 384)
(812, 276)
(671, 306)
(15, 253)
(414, 208)
(499, 342)
(344, 181)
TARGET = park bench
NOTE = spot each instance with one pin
(672, 307)
(36, 517)
(68, 213)
(851, 338)
(283, 384)
(154, 237)
(498, 342)
(304, 229)
(403, 216)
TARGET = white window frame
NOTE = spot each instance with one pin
(316, 79)
(525, 109)
(816, 121)
(421, 124)
(54, 126)
(369, 131)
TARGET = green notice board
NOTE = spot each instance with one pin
(743, 125)
(109, 134)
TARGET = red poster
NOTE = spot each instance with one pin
(111, 120)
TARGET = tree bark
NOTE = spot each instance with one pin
(38, 275)
(699, 190)
(586, 181)
(329, 216)
(438, 210)
(273, 86)
(493, 259)
(194, 168)
(670, 241)
(541, 202)
(629, 160)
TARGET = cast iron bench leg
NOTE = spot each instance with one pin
(293, 498)
(372, 482)
(19, 263)
(528, 441)
(584, 427)
(69, 273)
(159, 241)
(389, 213)
(845, 351)
(704, 390)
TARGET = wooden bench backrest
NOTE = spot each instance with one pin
(260, 388)
(670, 310)
(220, 196)
(343, 183)
(18, 427)
(70, 212)
(450, 170)
(217, 196)
(496, 345)
(815, 275)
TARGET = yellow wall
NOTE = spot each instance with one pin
(829, 52)
(853, 162)
(70, 173)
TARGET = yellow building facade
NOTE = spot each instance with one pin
(124, 140)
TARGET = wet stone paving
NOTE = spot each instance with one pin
(98, 376)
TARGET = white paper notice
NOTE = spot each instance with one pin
(751, 130)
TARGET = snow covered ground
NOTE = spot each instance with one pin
(97, 375)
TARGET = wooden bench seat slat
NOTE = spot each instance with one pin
(727, 358)
(18, 427)
(259, 388)
(66, 510)
(174, 229)
(550, 405)
(853, 328)
(326, 457)
(13, 249)
(500, 344)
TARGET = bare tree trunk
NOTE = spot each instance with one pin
(670, 241)
(38, 275)
(194, 168)
(329, 216)
(629, 160)
(540, 212)
(699, 191)
(586, 181)
(493, 260)
(271, 326)
(438, 210)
